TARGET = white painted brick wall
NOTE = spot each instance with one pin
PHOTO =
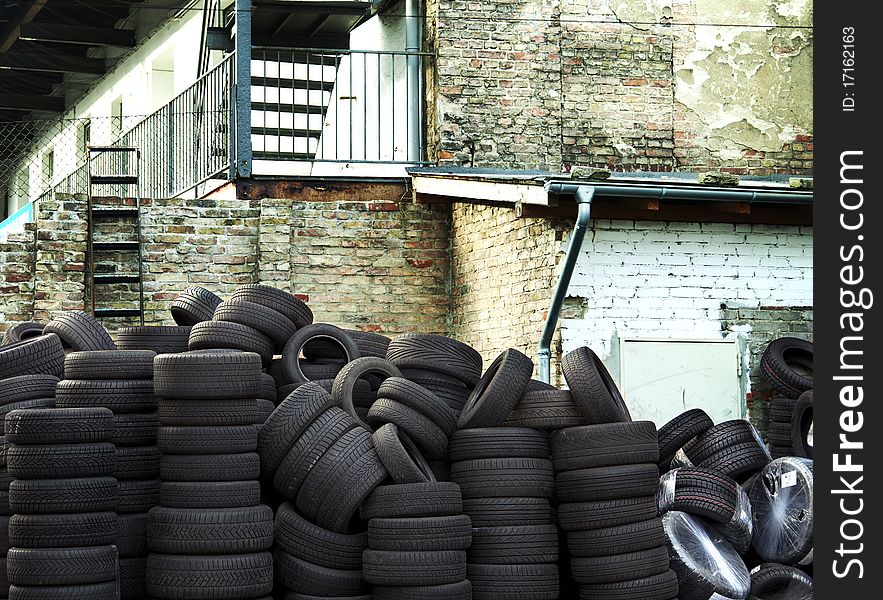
(668, 280)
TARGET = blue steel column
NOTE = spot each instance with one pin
(242, 118)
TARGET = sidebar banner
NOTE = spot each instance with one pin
(848, 228)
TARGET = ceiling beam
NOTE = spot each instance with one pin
(30, 102)
(14, 28)
(78, 34)
(50, 61)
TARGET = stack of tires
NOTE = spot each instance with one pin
(63, 531)
(194, 305)
(210, 537)
(606, 485)
(417, 541)
(787, 366)
(122, 382)
(325, 465)
(336, 349)
(732, 448)
(161, 339)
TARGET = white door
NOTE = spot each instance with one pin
(660, 379)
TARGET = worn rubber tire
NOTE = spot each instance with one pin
(739, 461)
(210, 494)
(778, 361)
(194, 305)
(138, 495)
(344, 383)
(210, 335)
(118, 395)
(592, 387)
(436, 353)
(109, 364)
(433, 499)
(50, 426)
(21, 332)
(210, 467)
(304, 577)
(508, 512)
(42, 355)
(135, 429)
(215, 531)
(162, 339)
(721, 436)
(137, 462)
(400, 456)
(5, 409)
(224, 439)
(576, 516)
(307, 541)
(675, 434)
(514, 582)
(620, 567)
(657, 587)
(80, 332)
(607, 483)
(497, 391)
(291, 365)
(230, 411)
(497, 442)
(294, 309)
(801, 422)
(462, 590)
(64, 530)
(27, 387)
(268, 321)
(204, 376)
(107, 590)
(73, 495)
(514, 545)
(545, 409)
(370, 344)
(420, 534)
(50, 461)
(452, 392)
(390, 568)
(428, 436)
(605, 445)
(422, 400)
(504, 477)
(61, 566)
(619, 539)
(771, 580)
(177, 577)
(132, 539)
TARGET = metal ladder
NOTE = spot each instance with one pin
(122, 173)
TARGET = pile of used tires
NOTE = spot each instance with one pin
(250, 454)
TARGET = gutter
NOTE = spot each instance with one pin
(584, 193)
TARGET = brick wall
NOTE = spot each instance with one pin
(503, 269)
(17, 256)
(628, 85)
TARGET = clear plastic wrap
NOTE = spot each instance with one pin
(665, 497)
(706, 564)
(781, 496)
(681, 460)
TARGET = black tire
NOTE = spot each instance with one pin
(301, 576)
(209, 577)
(138, 496)
(497, 442)
(21, 332)
(771, 580)
(436, 353)
(504, 477)
(294, 309)
(785, 363)
(195, 376)
(420, 534)
(48, 461)
(74, 495)
(344, 383)
(225, 439)
(462, 590)
(162, 339)
(514, 582)
(59, 426)
(415, 396)
(269, 322)
(210, 494)
(592, 387)
(719, 437)
(389, 568)
(340, 481)
(400, 456)
(118, 395)
(132, 539)
(27, 387)
(133, 578)
(80, 332)
(307, 541)
(740, 461)
(452, 392)
(210, 335)
(63, 530)
(508, 512)
(545, 409)
(291, 365)
(215, 531)
(61, 566)
(209, 467)
(657, 587)
(194, 305)
(370, 344)
(316, 439)
(619, 539)
(497, 392)
(223, 412)
(107, 590)
(576, 516)
(620, 567)
(801, 423)
(675, 434)
(135, 429)
(268, 388)
(434, 499)
(26, 404)
(137, 462)
(514, 545)
(265, 408)
(425, 433)
(288, 422)
(606, 445)
(109, 364)
(607, 483)
(42, 355)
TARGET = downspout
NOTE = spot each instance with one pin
(415, 102)
(584, 193)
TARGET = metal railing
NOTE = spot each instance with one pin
(312, 104)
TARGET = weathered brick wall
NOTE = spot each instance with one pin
(628, 85)
(17, 256)
(503, 271)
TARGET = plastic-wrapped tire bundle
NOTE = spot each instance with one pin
(506, 481)
(63, 532)
(782, 501)
(606, 479)
(707, 566)
(771, 581)
(122, 381)
(210, 525)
